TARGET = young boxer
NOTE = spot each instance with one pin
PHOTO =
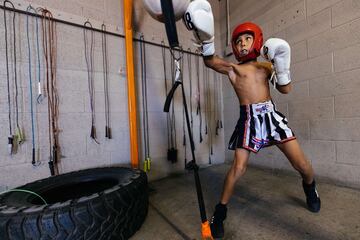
(260, 123)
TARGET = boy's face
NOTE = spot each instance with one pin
(244, 43)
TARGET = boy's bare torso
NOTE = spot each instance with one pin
(250, 82)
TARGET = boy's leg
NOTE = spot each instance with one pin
(298, 160)
(237, 169)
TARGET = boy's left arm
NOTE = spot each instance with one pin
(284, 89)
(277, 51)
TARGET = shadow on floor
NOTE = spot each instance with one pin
(264, 206)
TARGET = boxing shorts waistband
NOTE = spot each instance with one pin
(259, 108)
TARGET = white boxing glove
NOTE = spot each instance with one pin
(199, 18)
(278, 52)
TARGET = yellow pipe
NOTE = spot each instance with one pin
(131, 83)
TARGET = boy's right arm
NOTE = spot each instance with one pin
(218, 64)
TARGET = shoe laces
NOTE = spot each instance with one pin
(216, 220)
(212, 220)
(313, 194)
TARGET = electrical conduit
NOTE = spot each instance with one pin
(131, 83)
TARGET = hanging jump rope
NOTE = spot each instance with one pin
(166, 90)
(11, 136)
(205, 92)
(191, 93)
(106, 82)
(37, 73)
(198, 95)
(211, 120)
(208, 112)
(89, 58)
(147, 159)
(49, 38)
(184, 137)
(19, 137)
(220, 103)
(183, 113)
(191, 108)
(216, 103)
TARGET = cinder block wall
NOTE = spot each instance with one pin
(323, 108)
(78, 150)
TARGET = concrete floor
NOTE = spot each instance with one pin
(264, 206)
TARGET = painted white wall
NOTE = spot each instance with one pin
(78, 150)
(323, 108)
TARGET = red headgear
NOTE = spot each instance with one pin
(255, 30)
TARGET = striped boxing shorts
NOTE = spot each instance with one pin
(260, 125)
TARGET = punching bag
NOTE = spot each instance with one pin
(168, 12)
(154, 8)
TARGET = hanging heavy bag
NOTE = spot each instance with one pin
(167, 12)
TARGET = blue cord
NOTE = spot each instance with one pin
(30, 8)
(25, 191)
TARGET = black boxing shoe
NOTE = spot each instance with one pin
(216, 223)
(312, 197)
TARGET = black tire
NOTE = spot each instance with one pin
(93, 204)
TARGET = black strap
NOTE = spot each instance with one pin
(170, 24)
